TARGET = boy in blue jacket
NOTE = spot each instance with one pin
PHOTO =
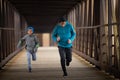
(64, 34)
(31, 45)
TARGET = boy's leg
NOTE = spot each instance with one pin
(68, 52)
(34, 56)
(29, 60)
(62, 58)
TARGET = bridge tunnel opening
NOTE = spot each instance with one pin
(96, 23)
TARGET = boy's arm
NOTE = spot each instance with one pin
(21, 41)
(37, 42)
(73, 34)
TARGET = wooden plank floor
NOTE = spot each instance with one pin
(47, 67)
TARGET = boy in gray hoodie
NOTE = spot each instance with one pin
(31, 45)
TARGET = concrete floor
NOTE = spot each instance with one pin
(47, 67)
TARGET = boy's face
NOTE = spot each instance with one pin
(63, 23)
(29, 31)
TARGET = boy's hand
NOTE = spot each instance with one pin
(35, 50)
(37, 45)
(58, 38)
(69, 41)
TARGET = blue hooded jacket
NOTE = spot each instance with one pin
(65, 33)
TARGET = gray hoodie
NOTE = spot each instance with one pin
(31, 42)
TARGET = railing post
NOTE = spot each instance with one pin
(118, 28)
(103, 36)
(109, 34)
(0, 46)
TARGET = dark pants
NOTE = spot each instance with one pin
(65, 56)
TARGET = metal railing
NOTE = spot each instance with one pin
(7, 45)
(100, 46)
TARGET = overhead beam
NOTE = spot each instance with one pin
(44, 2)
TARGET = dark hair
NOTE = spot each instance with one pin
(62, 19)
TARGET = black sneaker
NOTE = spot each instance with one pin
(30, 70)
(67, 63)
(65, 74)
(33, 59)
